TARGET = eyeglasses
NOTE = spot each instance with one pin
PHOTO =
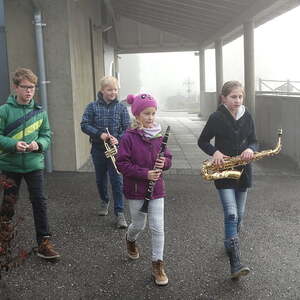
(27, 87)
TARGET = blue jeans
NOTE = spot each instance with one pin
(233, 202)
(35, 181)
(103, 166)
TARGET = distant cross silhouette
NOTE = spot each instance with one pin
(188, 84)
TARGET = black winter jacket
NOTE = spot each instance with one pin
(232, 137)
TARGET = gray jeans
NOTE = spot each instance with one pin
(156, 224)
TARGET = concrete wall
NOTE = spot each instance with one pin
(273, 112)
(20, 35)
(84, 25)
(68, 54)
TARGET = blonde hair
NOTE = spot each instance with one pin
(24, 74)
(136, 124)
(108, 80)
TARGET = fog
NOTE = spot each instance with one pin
(169, 76)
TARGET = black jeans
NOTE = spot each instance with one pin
(35, 182)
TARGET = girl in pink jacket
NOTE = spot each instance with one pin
(139, 163)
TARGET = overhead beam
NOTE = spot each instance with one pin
(175, 29)
(222, 4)
(158, 21)
(174, 10)
(139, 13)
(129, 49)
(200, 5)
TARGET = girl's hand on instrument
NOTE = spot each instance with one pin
(247, 154)
(218, 158)
(160, 162)
(154, 175)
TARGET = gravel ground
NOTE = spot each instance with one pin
(94, 264)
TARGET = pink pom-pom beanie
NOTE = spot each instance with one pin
(140, 102)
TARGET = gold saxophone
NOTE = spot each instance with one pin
(111, 152)
(209, 171)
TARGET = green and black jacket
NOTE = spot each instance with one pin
(26, 123)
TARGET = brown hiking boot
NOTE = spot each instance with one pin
(132, 249)
(158, 273)
(46, 251)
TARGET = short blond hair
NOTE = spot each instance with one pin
(24, 74)
(108, 80)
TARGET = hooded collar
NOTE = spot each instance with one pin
(241, 111)
(12, 100)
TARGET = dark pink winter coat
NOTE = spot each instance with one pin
(136, 156)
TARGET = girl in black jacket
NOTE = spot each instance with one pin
(233, 129)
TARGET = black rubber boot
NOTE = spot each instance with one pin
(227, 247)
(233, 249)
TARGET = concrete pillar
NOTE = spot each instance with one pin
(116, 64)
(4, 72)
(249, 66)
(219, 65)
(202, 77)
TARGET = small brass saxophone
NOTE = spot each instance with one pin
(111, 152)
(209, 171)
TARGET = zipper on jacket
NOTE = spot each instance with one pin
(23, 135)
(135, 187)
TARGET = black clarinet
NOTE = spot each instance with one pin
(151, 183)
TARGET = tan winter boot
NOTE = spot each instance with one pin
(158, 273)
(132, 249)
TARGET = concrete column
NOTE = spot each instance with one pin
(117, 66)
(219, 66)
(202, 77)
(249, 66)
(4, 72)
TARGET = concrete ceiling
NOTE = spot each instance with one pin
(167, 25)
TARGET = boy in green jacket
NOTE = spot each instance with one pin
(24, 137)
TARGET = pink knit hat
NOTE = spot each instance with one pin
(140, 102)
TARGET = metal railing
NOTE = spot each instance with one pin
(278, 87)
